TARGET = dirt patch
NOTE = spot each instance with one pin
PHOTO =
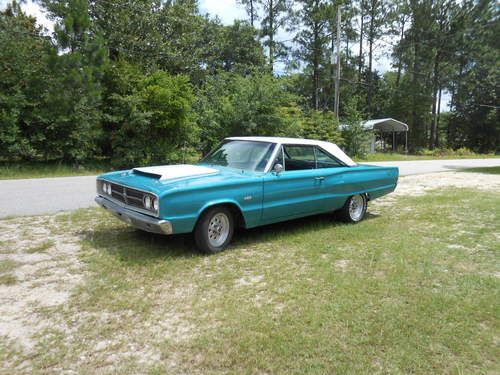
(42, 279)
(421, 184)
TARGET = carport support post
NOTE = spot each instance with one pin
(393, 141)
(406, 141)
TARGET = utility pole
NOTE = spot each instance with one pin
(337, 76)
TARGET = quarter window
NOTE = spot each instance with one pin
(323, 160)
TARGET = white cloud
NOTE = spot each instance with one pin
(226, 10)
(33, 9)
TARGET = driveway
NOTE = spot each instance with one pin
(50, 195)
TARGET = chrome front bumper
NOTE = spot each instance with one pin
(138, 220)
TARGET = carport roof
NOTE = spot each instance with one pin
(386, 125)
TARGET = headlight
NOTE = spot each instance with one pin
(105, 187)
(147, 202)
(155, 204)
(108, 188)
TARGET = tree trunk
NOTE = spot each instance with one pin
(251, 13)
(400, 59)
(271, 36)
(416, 128)
(434, 110)
(435, 89)
(360, 60)
(370, 57)
(332, 73)
(315, 66)
(438, 117)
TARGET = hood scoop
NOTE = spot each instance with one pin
(170, 172)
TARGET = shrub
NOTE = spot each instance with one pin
(321, 125)
(148, 118)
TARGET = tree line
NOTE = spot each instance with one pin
(154, 81)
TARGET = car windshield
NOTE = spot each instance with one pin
(246, 155)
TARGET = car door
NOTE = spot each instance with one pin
(332, 190)
(296, 191)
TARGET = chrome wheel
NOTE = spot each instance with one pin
(356, 207)
(218, 229)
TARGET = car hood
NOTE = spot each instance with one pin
(163, 179)
(170, 172)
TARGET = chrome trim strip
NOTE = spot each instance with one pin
(130, 207)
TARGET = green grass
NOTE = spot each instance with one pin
(40, 248)
(414, 288)
(47, 169)
(390, 156)
(7, 266)
(487, 170)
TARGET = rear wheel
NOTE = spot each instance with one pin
(214, 230)
(354, 209)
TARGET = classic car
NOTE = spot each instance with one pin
(245, 182)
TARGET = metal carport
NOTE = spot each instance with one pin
(387, 125)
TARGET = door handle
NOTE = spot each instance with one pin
(319, 178)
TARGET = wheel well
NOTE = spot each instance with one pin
(235, 210)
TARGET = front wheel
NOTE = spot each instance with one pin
(214, 230)
(354, 209)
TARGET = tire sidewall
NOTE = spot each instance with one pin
(365, 206)
(201, 230)
(344, 215)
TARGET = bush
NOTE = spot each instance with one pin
(356, 140)
(234, 105)
(445, 152)
(148, 118)
(321, 125)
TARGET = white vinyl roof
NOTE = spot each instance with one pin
(327, 146)
(386, 125)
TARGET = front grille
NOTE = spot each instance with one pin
(127, 195)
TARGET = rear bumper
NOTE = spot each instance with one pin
(136, 219)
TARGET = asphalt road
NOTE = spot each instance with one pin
(50, 195)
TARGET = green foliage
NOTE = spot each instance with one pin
(321, 125)
(23, 70)
(147, 117)
(356, 137)
(115, 74)
(235, 105)
(447, 152)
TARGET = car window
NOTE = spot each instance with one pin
(299, 157)
(246, 155)
(324, 160)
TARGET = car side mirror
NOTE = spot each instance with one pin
(278, 168)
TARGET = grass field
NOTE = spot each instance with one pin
(389, 156)
(487, 170)
(49, 169)
(415, 289)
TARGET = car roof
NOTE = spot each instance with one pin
(327, 146)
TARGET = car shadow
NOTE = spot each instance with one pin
(302, 225)
(132, 245)
(135, 246)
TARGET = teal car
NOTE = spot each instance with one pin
(245, 182)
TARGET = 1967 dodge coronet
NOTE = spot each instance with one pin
(246, 182)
